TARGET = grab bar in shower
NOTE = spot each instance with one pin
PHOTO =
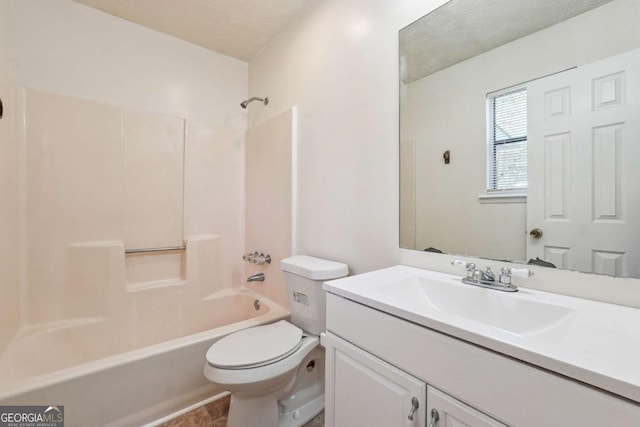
(170, 248)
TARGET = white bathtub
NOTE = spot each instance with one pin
(99, 384)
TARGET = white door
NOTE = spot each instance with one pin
(584, 167)
(364, 391)
(445, 411)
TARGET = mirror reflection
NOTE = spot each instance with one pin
(520, 133)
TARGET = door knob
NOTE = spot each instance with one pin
(536, 233)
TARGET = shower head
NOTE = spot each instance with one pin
(246, 102)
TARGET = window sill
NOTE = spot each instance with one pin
(503, 198)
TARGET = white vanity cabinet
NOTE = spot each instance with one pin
(377, 362)
(445, 411)
(365, 391)
(368, 392)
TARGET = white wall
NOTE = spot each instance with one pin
(70, 49)
(459, 92)
(339, 64)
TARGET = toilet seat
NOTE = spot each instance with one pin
(267, 374)
(255, 347)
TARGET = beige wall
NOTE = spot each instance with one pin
(338, 63)
(9, 200)
(269, 165)
(89, 197)
(434, 106)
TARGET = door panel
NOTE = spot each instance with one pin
(453, 413)
(363, 390)
(583, 146)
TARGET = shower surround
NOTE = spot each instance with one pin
(101, 179)
(95, 180)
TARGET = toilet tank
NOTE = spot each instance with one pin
(304, 276)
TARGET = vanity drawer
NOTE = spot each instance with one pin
(511, 391)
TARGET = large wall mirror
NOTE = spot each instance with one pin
(520, 133)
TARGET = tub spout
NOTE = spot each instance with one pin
(256, 278)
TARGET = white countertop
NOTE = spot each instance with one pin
(592, 342)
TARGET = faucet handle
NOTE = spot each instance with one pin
(506, 273)
(505, 276)
(471, 267)
(525, 273)
(261, 259)
(257, 258)
(460, 263)
(249, 257)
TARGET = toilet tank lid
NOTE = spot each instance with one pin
(314, 268)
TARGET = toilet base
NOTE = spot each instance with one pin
(302, 415)
(263, 411)
(253, 411)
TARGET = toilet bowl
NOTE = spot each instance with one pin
(275, 372)
(262, 377)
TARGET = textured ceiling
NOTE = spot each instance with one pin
(238, 28)
(462, 29)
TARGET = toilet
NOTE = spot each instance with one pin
(275, 372)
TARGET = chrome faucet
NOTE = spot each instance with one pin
(487, 278)
(256, 278)
(487, 275)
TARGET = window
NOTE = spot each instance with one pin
(507, 140)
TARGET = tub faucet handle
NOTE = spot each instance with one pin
(262, 259)
(249, 256)
(257, 258)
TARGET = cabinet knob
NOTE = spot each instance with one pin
(435, 417)
(415, 404)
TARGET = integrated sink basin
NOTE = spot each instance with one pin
(509, 312)
(593, 342)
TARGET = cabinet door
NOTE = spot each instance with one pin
(445, 411)
(362, 390)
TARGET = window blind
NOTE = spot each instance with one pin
(507, 140)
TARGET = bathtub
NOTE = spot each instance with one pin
(100, 384)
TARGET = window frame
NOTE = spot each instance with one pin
(509, 195)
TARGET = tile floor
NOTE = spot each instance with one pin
(214, 414)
